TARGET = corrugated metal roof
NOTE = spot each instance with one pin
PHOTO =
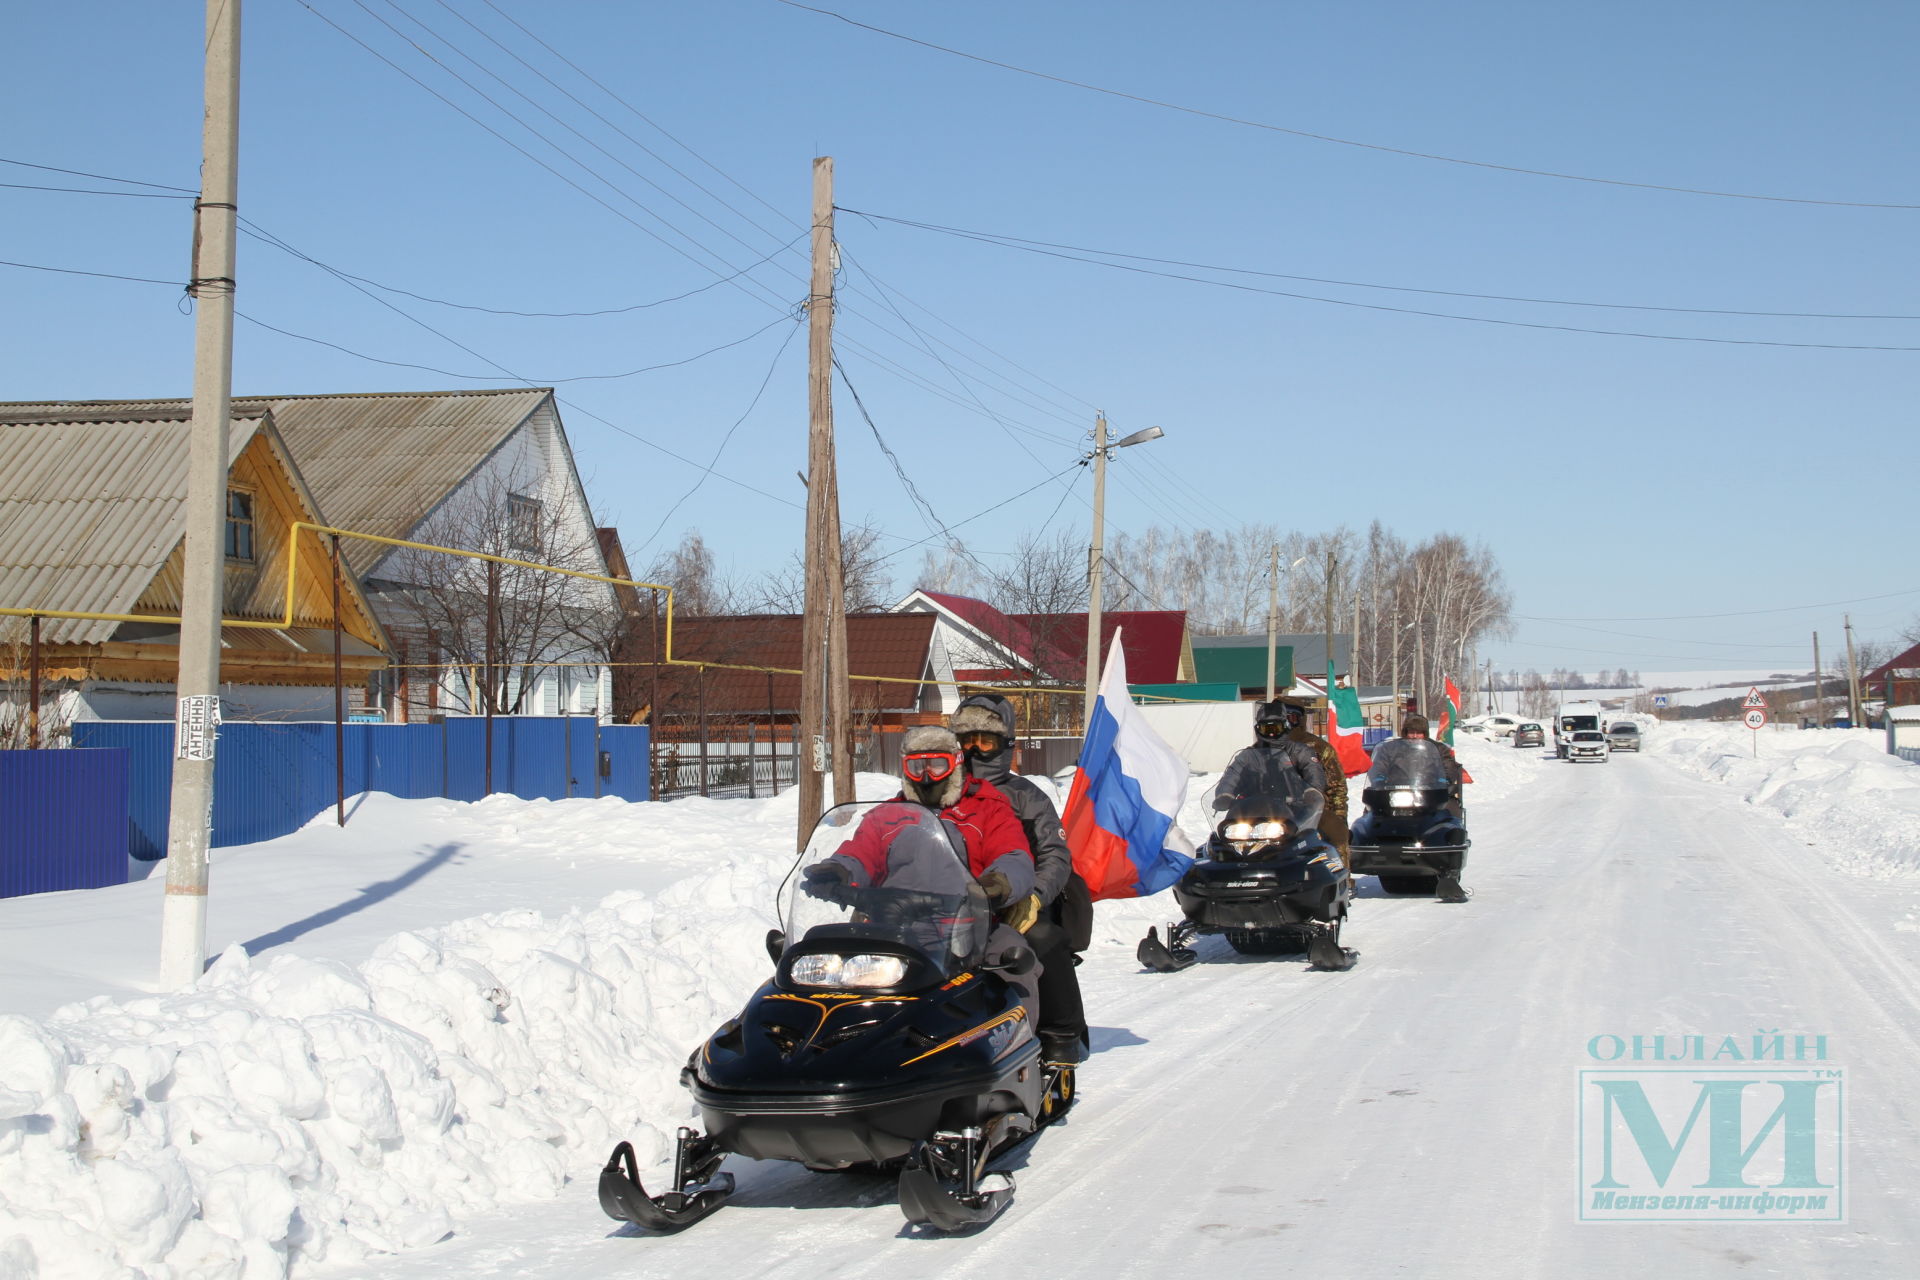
(374, 462)
(878, 644)
(90, 509)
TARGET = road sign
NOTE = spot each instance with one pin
(1754, 699)
(1659, 699)
(1755, 718)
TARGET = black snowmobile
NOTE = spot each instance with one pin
(888, 1038)
(1412, 835)
(1268, 881)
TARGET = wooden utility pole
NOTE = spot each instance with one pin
(183, 920)
(1819, 690)
(1853, 678)
(824, 697)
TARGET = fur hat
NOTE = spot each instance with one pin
(984, 713)
(932, 737)
(1413, 725)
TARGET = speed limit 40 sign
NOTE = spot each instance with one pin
(1755, 718)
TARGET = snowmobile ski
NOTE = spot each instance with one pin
(948, 1187)
(1170, 956)
(699, 1189)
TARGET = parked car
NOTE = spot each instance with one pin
(1529, 734)
(1499, 726)
(1624, 736)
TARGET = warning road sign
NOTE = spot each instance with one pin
(1754, 699)
(1755, 719)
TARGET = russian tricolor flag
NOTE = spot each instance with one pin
(1127, 788)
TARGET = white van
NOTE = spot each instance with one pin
(1577, 717)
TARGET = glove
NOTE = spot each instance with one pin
(830, 882)
(998, 890)
(1023, 913)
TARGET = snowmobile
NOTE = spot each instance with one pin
(892, 1037)
(1412, 835)
(1268, 881)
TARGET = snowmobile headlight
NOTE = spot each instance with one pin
(1238, 832)
(865, 970)
(1269, 830)
(1403, 798)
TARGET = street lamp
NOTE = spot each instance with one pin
(1273, 612)
(1101, 449)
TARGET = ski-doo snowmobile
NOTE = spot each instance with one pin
(1412, 835)
(893, 1035)
(1268, 881)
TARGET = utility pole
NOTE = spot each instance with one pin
(1853, 678)
(183, 920)
(1273, 615)
(1331, 665)
(823, 684)
(1819, 690)
(1094, 552)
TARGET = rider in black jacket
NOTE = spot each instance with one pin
(1275, 765)
(1059, 915)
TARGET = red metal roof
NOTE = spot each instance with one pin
(1151, 639)
(878, 644)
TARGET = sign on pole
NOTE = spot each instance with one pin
(1660, 700)
(1754, 699)
(1755, 719)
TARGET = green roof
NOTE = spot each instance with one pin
(1243, 667)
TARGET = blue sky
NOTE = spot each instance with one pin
(1613, 477)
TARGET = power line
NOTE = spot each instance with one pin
(1412, 311)
(975, 516)
(102, 275)
(992, 237)
(1344, 142)
(253, 230)
(724, 440)
(99, 177)
(88, 191)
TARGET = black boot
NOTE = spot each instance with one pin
(1067, 1048)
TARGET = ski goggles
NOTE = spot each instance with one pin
(929, 766)
(1270, 728)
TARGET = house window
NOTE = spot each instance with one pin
(239, 524)
(523, 522)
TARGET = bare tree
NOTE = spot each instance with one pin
(444, 607)
(863, 571)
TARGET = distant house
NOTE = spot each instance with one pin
(1242, 659)
(889, 656)
(484, 471)
(984, 647)
(1896, 681)
(93, 520)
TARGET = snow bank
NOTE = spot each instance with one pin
(291, 1112)
(1837, 788)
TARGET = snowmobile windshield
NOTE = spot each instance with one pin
(889, 871)
(1408, 762)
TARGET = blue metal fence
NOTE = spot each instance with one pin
(62, 820)
(272, 778)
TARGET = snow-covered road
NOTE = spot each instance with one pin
(1417, 1115)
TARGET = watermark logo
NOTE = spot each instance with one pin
(1698, 1128)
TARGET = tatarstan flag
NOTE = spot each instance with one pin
(1451, 715)
(1344, 725)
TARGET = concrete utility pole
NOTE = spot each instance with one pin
(824, 696)
(1819, 690)
(1853, 678)
(1273, 615)
(183, 920)
(1329, 611)
(1096, 551)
